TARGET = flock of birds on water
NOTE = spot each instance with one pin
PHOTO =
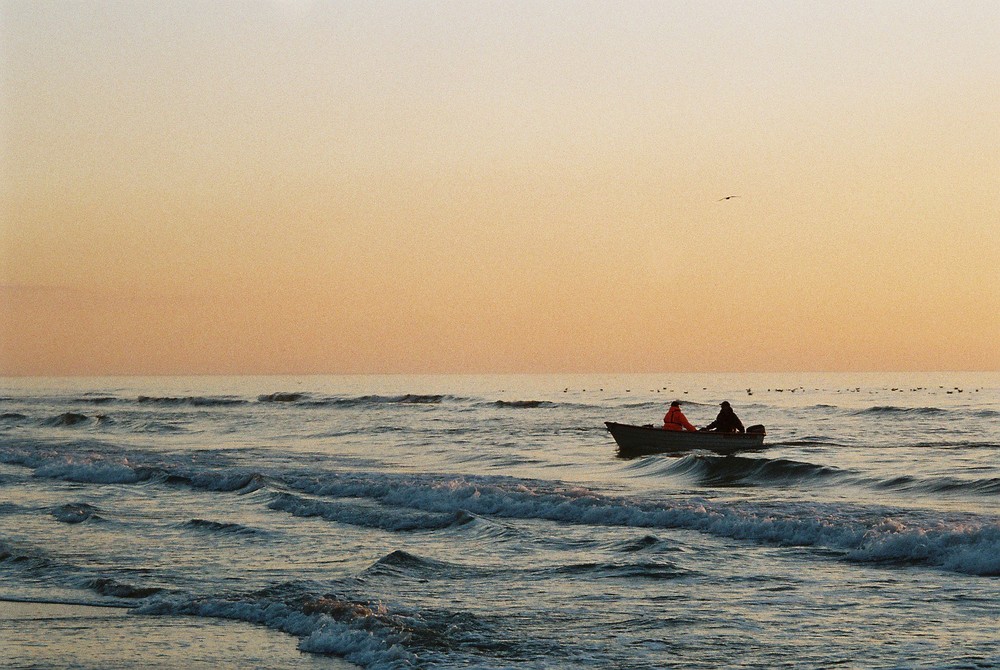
(800, 388)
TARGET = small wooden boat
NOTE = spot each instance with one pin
(643, 440)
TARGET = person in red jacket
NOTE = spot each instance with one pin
(675, 419)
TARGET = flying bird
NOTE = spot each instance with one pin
(728, 197)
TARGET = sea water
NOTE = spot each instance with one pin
(486, 521)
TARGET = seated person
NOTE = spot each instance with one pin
(727, 421)
(675, 419)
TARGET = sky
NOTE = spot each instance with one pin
(292, 187)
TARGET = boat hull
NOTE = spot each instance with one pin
(643, 440)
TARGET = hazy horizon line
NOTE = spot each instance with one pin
(178, 375)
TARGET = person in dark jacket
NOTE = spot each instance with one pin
(727, 421)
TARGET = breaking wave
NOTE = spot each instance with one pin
(972, 546)
(413, 503)
(361, 633)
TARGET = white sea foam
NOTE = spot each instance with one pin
(399, 503)
(356, 639)
(354, 513)
(970, 547)
(494, 527)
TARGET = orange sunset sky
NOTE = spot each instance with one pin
(498, 186)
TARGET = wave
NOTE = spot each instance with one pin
(77, 419)
(742, 471)
(367, 633)
(971, 547)
(649, 570)
(406, 399)
(96, 471)
(36, 562)
(989, 486)
(422, 502)
(401, 563)
(98, 399)
(809, 441)
(148, 427)
(282, 397)
(891, 410)
(26, 559)
(76, 513)
(524, 404)
(646, 543)
(220, 480)
(367, 516)
(93, 463)
(360, 633)
(107, 586)
(11, 508)
(68, 419)
(194, 401)
(301, 399)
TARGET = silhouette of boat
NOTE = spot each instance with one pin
(643, 440)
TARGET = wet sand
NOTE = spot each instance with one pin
(88, 637)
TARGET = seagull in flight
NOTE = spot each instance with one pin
(728, 197)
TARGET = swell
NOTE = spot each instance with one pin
(193, 401)
(355, 513)
(94, 462)
(308, 400)
(328, 623)
(76, 513)
(300, 399)
(989, 486)
(130, 425)
(429, 502)
(380, 635)
(891, 410)
(364, 633)
(523, 404)
(225, 528)
(971, 546)
(34, 563)
(734, 471)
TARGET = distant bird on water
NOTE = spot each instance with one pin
(728, 197)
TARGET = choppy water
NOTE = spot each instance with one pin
(449, 522)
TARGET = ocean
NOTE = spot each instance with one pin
(487, 522)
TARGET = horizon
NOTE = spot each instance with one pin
(288, 188)
(483, 375)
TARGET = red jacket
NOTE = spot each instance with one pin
(675, 420)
